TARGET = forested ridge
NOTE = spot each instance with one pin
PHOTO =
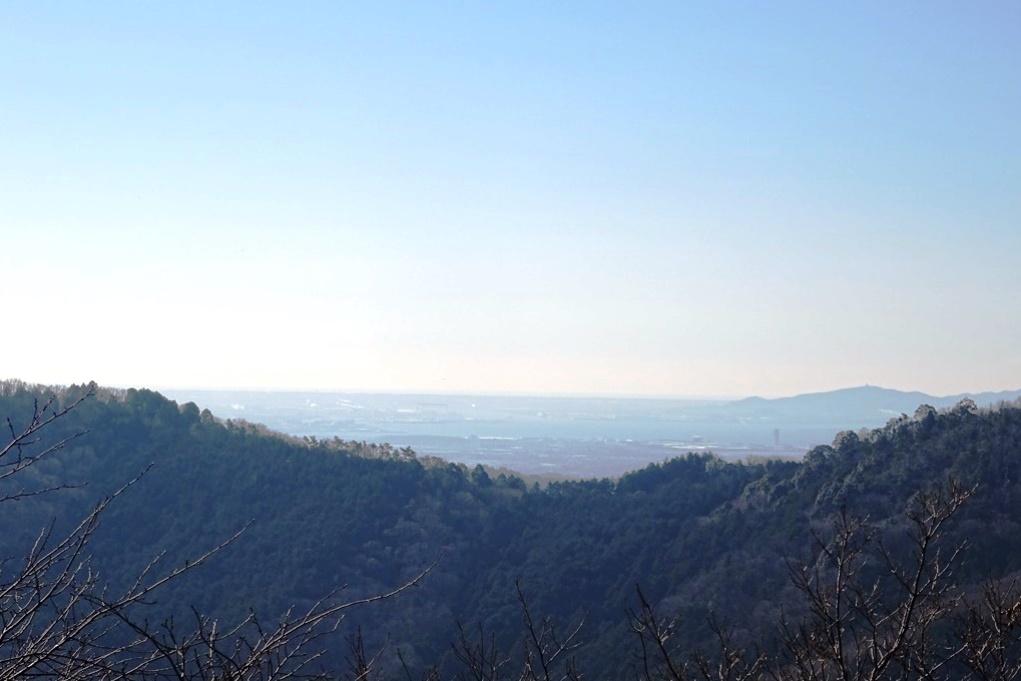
(701, 536)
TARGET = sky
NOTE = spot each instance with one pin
(543, 198)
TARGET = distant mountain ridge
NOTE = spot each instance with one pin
(865, 405)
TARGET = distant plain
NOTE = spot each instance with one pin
(572, 437)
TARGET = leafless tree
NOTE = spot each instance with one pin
(545, 654)
(990, 630)
(871, 614)
(660, 660)
(57, 620)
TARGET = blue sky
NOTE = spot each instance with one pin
(684, 199)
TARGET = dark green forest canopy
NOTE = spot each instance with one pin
(700, 535)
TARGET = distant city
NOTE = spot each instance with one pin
(572, 437)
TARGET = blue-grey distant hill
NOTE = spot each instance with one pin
(864, 405)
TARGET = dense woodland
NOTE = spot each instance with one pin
(705, 540)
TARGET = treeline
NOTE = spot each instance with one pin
(705, 539)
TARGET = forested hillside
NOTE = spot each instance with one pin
(699, 535)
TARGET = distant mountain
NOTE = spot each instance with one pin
(861, 406)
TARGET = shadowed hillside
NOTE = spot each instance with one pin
(700, 535)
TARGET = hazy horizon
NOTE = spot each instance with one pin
(574, 199)
(554, 395)
(461, 393)
(579, 436)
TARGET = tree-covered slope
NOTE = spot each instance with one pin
(699, 534)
